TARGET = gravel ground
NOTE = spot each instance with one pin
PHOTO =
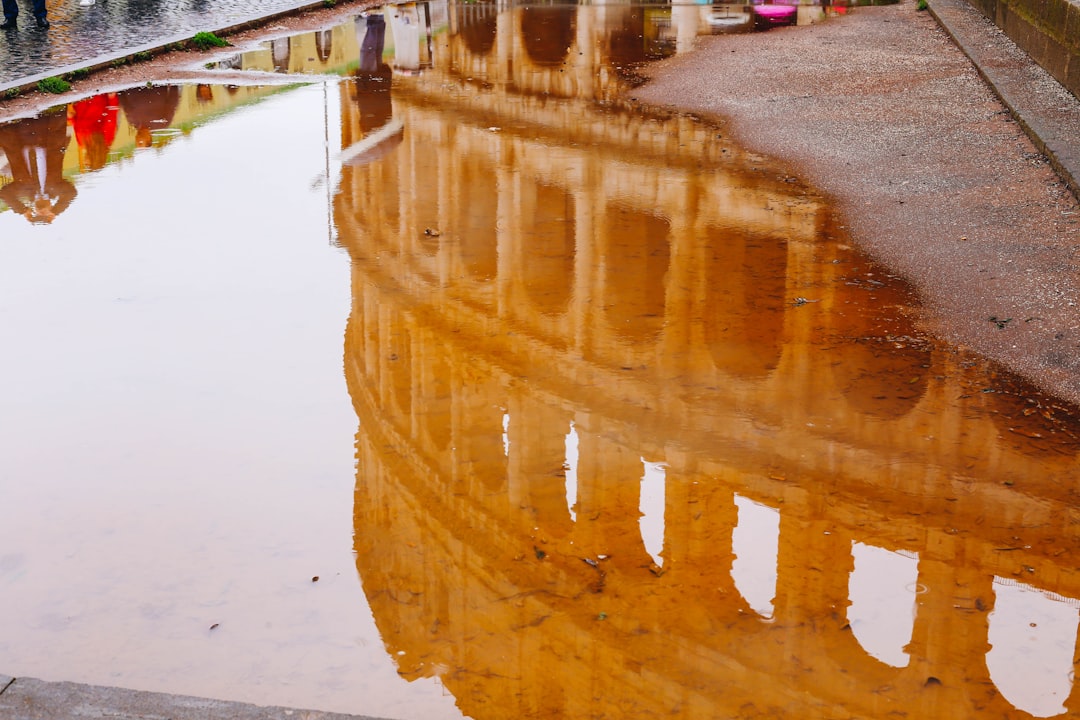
(882, 111)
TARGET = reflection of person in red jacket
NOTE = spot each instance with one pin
(148, 109)
(35, 151)
(94, 122)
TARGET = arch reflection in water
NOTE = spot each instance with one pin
(882, 592)
(603, 339)
(755, 542)
(651, 508)
(1033, 645)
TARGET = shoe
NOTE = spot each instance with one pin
(43, 23)
(7, 25)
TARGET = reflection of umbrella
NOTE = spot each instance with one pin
(776, 14)
(375, 145)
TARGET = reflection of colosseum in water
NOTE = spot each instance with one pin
(635, 439)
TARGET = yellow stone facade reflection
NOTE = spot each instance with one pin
(601, 359)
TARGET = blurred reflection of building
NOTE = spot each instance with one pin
(639, 435)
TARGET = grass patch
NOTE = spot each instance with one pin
(207, 40)
(142, 56)
(923, 5)
(12, 93)
(329, 3)
(54, 85)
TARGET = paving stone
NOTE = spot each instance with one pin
(114, 28)
(31, 699)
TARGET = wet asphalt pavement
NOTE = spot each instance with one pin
(83, 34)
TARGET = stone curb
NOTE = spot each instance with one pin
(31, 699)
(1017, 89)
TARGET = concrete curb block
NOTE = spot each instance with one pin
(1064, 157)
(31, 699)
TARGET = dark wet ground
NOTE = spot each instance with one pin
(110, 28)
(459, 387)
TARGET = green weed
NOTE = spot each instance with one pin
(54, 85)
(207, 40)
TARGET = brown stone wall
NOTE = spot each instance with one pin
(1047, 30)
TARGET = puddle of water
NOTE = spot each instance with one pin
(627, 427)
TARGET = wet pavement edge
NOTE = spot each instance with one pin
(30, 699)
(1023, 87)
(1039, 112)
(103, 62)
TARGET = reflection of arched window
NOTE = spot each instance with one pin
(879, 365)
(755, 542)
(476, 24)
(435, 415)
(280, 51)
(548, 270)
(651, 505)
(882, 592)
(745, 302)
(548, 32)
(571, 465)
(479, 431)
(401, 375)
(638, 252)
(1033, 641)
(324, 41)
(478, 205)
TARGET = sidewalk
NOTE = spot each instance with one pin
(1049, 114)
(94, 35)
(29, 699)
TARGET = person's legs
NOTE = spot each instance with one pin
(39, 13)
(11, 11)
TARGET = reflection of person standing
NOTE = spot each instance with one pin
(35, 151)
(373, 41)
(11, 12)
(373, 78)
(148, 109)
(94, 123)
